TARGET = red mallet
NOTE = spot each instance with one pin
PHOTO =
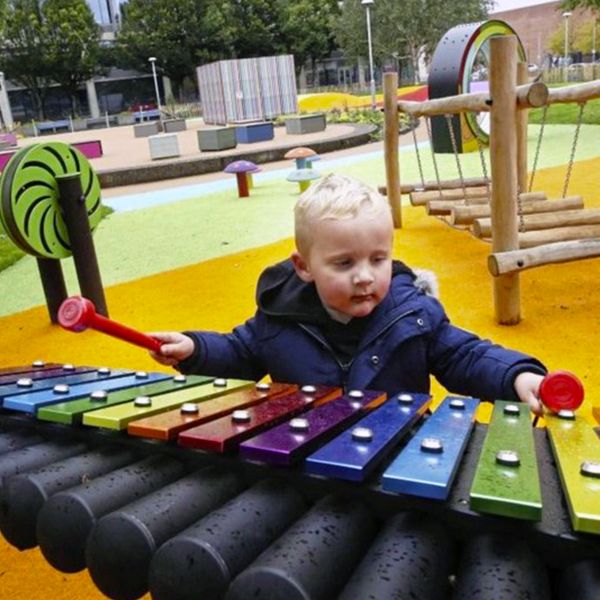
(77, 314)
(561, 390)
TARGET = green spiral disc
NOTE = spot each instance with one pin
(29, 207)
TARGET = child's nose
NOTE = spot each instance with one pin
(363, 276)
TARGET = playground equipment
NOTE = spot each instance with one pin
(241, 169)
(49, 206)
(573, 234)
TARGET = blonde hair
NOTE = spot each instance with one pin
(334, 197)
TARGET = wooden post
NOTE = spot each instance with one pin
(503, 157)
(390, 143)
(522, 116)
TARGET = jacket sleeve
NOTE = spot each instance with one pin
(230, 355)
(468, 365)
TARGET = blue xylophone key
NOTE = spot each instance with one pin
(424, 467)
(354, 453)
(27, 385)
(31, 402)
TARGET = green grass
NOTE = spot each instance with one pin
(10, 254)
(566, 114)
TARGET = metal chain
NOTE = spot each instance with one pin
(573, 149)
(537, 149)
(419, 164)
(455, 149)
(435, 165)
(483, 166)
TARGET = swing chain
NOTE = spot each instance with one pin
(483, 166)
(434, 160)
(455, 150)
(537, 148)
(573, 149)
(419, 163)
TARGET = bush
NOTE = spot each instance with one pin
(364, 115)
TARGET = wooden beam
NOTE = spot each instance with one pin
(575, 93)
(548, 220)
(390, 145)
(531, 95)
(529, 239)
(503, 159)
(465, 215)
(518, 260)
(445, 184)
(422, 198)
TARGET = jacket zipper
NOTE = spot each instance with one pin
(345, 367)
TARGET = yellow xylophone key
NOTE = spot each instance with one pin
(576, 448)
(120, 415)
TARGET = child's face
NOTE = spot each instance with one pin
(350, 262)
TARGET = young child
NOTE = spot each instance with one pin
(341, 312)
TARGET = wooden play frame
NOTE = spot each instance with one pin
(572, 235)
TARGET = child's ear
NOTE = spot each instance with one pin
(301, 267)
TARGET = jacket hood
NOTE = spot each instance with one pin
(281, 293)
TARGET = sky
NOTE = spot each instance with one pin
(511, 4)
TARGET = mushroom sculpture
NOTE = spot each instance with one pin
(241, 168)
(300, 155)
(303, 177)
(249, 176)
(312, 159)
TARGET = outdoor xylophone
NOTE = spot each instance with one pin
(194, 487)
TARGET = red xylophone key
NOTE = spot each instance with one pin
(561, 390)
(77, 314)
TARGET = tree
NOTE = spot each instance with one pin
(305, 28)
(403, 30)
(170, 30)
(71, 44)
(23, 60)
(571, 4)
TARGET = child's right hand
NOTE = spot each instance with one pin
(175, 347)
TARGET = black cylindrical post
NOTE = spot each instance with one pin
(24, 494)
(72, 202)
(53, 284)
(410, 558)
(121, 544)
(314, 557)
(67, 518)
(201, 561)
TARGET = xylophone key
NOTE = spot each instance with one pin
(32, 402)
(121, 570)
(66, 519)
(72, 412)
(506, 480)
(37, 365)
(167, 425)
(120, 415)
(23, 495)
(222, 435)
(313, 558)
(355, 452)
(577, 451)
(419, 471)
(27, 386)
(59, 371)
(210, 553)
(291, 441)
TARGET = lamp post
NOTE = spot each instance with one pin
(367, 4)
(566, 16)
(152, 61)
(594, 42)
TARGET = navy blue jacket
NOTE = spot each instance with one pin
(408, 338)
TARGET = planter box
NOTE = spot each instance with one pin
(221, 138)
(305, 124)
(174, 125)
(254, 132)
(146, 129)
(79, 124)
(125, 120)
(163, 146)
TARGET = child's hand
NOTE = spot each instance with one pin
(175, 347)
(527, 387)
